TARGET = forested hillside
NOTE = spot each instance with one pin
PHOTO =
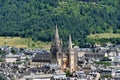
(37, 18)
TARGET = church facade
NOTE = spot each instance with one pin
(65, 58)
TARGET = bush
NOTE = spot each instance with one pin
(1, 61)
(67, 73)
(103, 63)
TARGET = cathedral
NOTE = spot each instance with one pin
(65, 58)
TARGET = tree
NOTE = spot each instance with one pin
(13, 51)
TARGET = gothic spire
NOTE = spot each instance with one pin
(70, 42)
(56, 33)
(56, 41)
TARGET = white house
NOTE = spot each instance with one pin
(11, 58)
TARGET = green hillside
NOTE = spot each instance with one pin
(23, 43)
(103, 38)
(103, 35)
(36, 19)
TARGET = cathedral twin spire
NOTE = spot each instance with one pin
(59, 41)
(56, 33)
(58, 53)
(70, 42)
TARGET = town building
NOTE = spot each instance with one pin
(41, 58)
(65, 58)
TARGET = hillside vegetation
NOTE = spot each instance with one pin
(102, 38)
(103, 35)
(36, 19)
(23, 43)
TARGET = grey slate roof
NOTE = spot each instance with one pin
(42, 57)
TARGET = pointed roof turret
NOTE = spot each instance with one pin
(70, 42)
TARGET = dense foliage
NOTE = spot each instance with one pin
(37, 18)
(1, 78)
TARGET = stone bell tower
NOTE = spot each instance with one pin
(71, 55)
(56, 49)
